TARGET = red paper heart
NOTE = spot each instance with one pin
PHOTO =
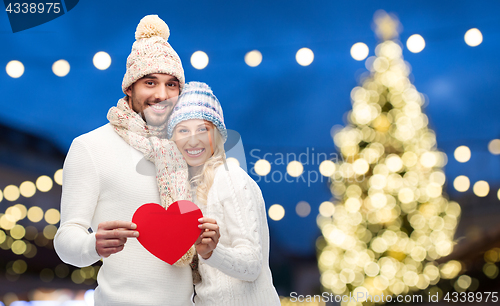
(168, 234)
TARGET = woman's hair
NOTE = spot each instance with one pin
(205, 179)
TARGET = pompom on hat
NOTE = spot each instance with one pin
(151, 53)
(197, 101)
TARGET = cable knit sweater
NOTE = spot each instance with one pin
(102, 182)
(237, 273)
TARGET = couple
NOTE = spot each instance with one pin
(182, 139)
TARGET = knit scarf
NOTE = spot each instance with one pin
(171, 168)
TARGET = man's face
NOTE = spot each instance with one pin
(153, 97)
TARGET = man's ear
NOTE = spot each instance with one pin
(128, 91)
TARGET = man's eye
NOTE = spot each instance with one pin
(150, 82)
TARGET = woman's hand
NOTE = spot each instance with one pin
(209, 237)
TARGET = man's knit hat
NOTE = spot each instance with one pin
(197, 101)
(151, 53)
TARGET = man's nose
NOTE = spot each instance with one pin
(161, 93)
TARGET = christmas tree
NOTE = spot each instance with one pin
(392, 220)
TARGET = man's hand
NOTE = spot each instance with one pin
(112, 235)
(209, 237)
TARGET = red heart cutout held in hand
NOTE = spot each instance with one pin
(168, 234)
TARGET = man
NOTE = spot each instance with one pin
(103, 187)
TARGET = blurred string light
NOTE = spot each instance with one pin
(327, 209)
(253, 58)
(262, 167)
(102, 60)
(25, 240)
(304, 57)
(494, 146)
(303, 209)
(58, 177)
(473, 37)
(481, 188)
(44, 183)
(392, 221)
(276, 212)
(294, 168)
(27, 189)
(11, 193)
(15, 69)
(199, 60)
(462, 154)
(359, 51)
(461, 183)
(61, 68)
(327, 168)
(415, 43)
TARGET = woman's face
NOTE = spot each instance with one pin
(194, 138)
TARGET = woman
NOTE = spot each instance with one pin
(237, 271)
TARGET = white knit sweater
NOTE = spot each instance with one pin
(101, 183)
(237, 273)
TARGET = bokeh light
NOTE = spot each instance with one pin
(327, 209)
(473, 37)
(27, 189)
(303, 209)
(304, 57)
(494, 147)
(18, 247)
(61, 68)
(327, 168)
(253, 58)
(102, 60)
(415, 43)
(35, 214)
(262, 167)
(44, 183)
(462, 154)
(276, 212)
(359, 51)
(11, 193)
(52, 216)
(17, 232)
(481, 188)
(19, 266)
(58, 177)
(46, 275)
(49, 231)
(199, 60)
(294, 168)
(15, 69)
(461, 183)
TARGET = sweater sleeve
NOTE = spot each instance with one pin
(73, 242)
(242, 257)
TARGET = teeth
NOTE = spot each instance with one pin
(158, 106)
(194, 152)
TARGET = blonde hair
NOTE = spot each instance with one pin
(205, 179)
